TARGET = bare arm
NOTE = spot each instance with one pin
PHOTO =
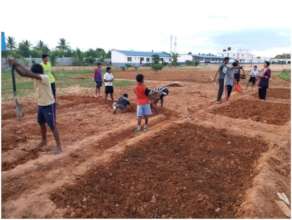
(216, 74)
(22, 70)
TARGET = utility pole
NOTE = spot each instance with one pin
(171, 38)
(175, 39)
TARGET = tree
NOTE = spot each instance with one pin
(40, 49)
(155, 58)
(174, 59)
(11, 44)
(64, 49)
(62, 45)
(24, 48)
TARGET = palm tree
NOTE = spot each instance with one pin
(62, 45)
(40, 45)
(11, 44)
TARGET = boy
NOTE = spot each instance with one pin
(108, 79)
(221, 71)
(237, 68)
(122, 104)
(143, 106)
(229, 80)
(98, 79)
(156, 95)
(47, 67)
(253, 76)
(45, 99)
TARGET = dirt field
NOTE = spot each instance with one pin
(199, 159)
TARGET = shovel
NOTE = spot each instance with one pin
(19, 112)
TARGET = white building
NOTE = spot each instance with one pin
(136, 58)
(182, 58)
(280, 61)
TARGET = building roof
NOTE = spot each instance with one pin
(142, 53)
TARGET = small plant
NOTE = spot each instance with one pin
(157, 66)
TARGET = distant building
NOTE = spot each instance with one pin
(207, 58)
(280, 61)
(182, 58)
(136, 58)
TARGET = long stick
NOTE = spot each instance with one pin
(19, 113)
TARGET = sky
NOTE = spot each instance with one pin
(260, 27)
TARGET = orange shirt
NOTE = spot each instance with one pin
(141, 98)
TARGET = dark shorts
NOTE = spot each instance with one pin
(109, 90)
(237, 77)
(47, 114)
(252, 80)
(98, 84)
(53, 86)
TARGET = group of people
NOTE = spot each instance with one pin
(228, 78)
(146, 99)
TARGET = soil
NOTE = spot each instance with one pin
(279, 93)
(167, 177)
(260, 111)
(95, 140)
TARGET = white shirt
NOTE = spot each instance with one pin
(44, 91)
(254, 72)
(108, 76)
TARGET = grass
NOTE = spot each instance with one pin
(285, 75)
(25, 86)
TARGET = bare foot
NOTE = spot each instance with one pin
(42, 144)
(57, 150)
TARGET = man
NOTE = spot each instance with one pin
(264, 79)
(45, 99)
(222, 72)
(108, 84)
(47, 67)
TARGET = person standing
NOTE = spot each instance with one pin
(264, 79)
(229, 80)
(143, 103)
(253, 76)
(222, 72)
(47, 67)
(46, 113)
(98, 79)
(108, 79)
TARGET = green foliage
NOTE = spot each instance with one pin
(11, 44)
(174, 59)
(24, 48)
(155, 59)
(80, 58)
(157, 66)
(192, 63)
(285, 75)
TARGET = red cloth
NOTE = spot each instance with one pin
(141, 98)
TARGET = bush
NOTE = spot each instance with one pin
(192, 63)
(157, 66)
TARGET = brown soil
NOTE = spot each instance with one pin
(279, 93)
(185, 167)
(94, 139)
(260, 111)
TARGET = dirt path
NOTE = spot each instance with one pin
(193, 146)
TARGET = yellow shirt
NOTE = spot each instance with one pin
(48, 70)
(43, 91)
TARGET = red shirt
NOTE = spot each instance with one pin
(141, 98)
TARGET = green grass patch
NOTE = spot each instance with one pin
(25, 86)
(285, 75)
